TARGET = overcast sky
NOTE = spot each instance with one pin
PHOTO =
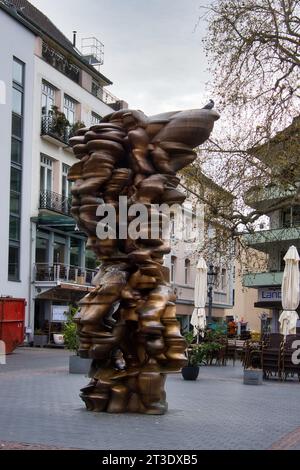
(153, 54)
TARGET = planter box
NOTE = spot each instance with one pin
(190, 372)
(253, 376)
(40, 340)
(79, 365)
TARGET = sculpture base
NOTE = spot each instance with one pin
(131, 392)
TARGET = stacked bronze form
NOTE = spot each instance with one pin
(127, 324)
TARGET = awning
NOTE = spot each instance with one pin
(65, 291)
(261, 304)
(50, 219)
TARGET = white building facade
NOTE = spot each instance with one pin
(16, 119)
(44, 255)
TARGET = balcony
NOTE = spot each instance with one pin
(60, 62)
(107, 97)
(268, 279)
(53, 131)
(61, 273)
(263, 198)
(55, 202)
(262, 238)
(185, 294)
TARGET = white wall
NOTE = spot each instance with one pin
(16, 41)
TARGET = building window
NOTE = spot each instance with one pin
(223, 279)
(97, 90)
(296, 216)
(95, 119)
(48, 98)
(42, 249)
(59, 250)
(46, 174)
(65, 183)
(188, 225)
(291, 216)
(16, 170)
(287, 217)
(187, 268)
(75, 247)
(173, 268)
(172, 224)
(69, 109)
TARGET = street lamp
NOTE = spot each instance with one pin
(211, 274)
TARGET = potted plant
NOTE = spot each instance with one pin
(60, 123)
(40, 338)
(77, 364)
(58, 339)
(195, 356)
(75, 127)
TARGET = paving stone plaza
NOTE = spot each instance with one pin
(40, 409)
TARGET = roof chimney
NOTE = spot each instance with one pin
(74, 38)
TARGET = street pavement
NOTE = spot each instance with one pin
(40, 408)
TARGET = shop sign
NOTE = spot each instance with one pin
(269, 295)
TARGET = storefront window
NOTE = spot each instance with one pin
(59, 252)
(41, 254)
(75, 252)
(90, 260)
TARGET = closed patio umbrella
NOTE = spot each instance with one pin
(198, 319)
(290, 292)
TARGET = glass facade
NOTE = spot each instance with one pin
(16, 170)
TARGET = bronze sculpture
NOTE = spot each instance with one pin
(127, 324)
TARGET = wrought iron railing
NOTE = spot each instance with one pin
(52, 127)
(44, 272)
(55, 202)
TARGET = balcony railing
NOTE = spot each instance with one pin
(262, 279)
(45, 272)
(107, 97)
(55, 202)
(51, 127)
(278, 235)
(266, 197)
(60, 62)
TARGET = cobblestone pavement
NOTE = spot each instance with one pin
(40, 408)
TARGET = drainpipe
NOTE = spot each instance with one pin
(30, 306)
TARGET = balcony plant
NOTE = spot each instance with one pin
(77, 365)
(75, 127)
(59, 122)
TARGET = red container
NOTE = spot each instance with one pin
(12, 319)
